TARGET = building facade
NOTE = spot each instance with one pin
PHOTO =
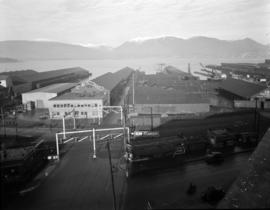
(40, 97)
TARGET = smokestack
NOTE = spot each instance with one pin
(189, 69)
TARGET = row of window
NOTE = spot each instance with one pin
(72, 105)
(94, 113)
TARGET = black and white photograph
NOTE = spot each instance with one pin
(134, 104)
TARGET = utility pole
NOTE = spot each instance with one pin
(133, 89)
(112, 179)
(3, 121)
(16, 125)
(152, 126)
(255, 115)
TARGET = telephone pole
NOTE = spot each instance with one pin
(3, 121)
(112, 179)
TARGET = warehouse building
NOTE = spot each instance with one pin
(40, 97)
(115, 83)
(244, 94)
(27, 80)
(168, 101)
(84, 101)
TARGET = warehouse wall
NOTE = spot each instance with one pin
(171, 108)
(84, 108)
(40, 99)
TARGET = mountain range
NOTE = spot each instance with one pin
(196, 47)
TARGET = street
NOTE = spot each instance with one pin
(166, 189)
(77, 182)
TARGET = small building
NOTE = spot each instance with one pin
(84, 101)
(244, 94)
(40, 97)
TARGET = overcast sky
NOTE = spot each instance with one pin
(112, 22)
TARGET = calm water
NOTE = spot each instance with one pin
(99, 67)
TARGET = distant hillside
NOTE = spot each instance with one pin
(196, 47)
(8, 60)
(48, 50)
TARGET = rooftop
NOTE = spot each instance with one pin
(78, 96)
(111, 80)
(241, 88)
(158, 95)
(55, 88)
(32, 76)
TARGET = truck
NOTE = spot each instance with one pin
(150, 147)
(221, 138)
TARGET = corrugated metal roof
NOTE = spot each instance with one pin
(55, 73)
(241, 88)
(157, 95)
(55, 88)
(77, 96)
(111, 80)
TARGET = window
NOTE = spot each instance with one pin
(61, 105)
(82, 113)
(89, 105)
(58, 113)
(57, 105)
(71, 105)
(65, 105)
(68, 105)
(95, 105)
(78, 105)
(54, 105)
(85, 113)
(82, 105)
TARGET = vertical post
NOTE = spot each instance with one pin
(64, 128)
(124, 137)
(98, 115)
(121, 115)
(16, 125)
(90, 143)
(94, 143)
(128, 136)
(110, 161)
(133, 88)
(255, 116)
(57, 147)
(3, 121)
(151, 108)
(74, 120)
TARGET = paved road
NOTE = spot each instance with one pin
(78, 182)
(166, 189)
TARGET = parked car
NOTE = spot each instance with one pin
(214, 158)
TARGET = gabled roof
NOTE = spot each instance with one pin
(55, 88)
(241, 88)
(111, 80)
